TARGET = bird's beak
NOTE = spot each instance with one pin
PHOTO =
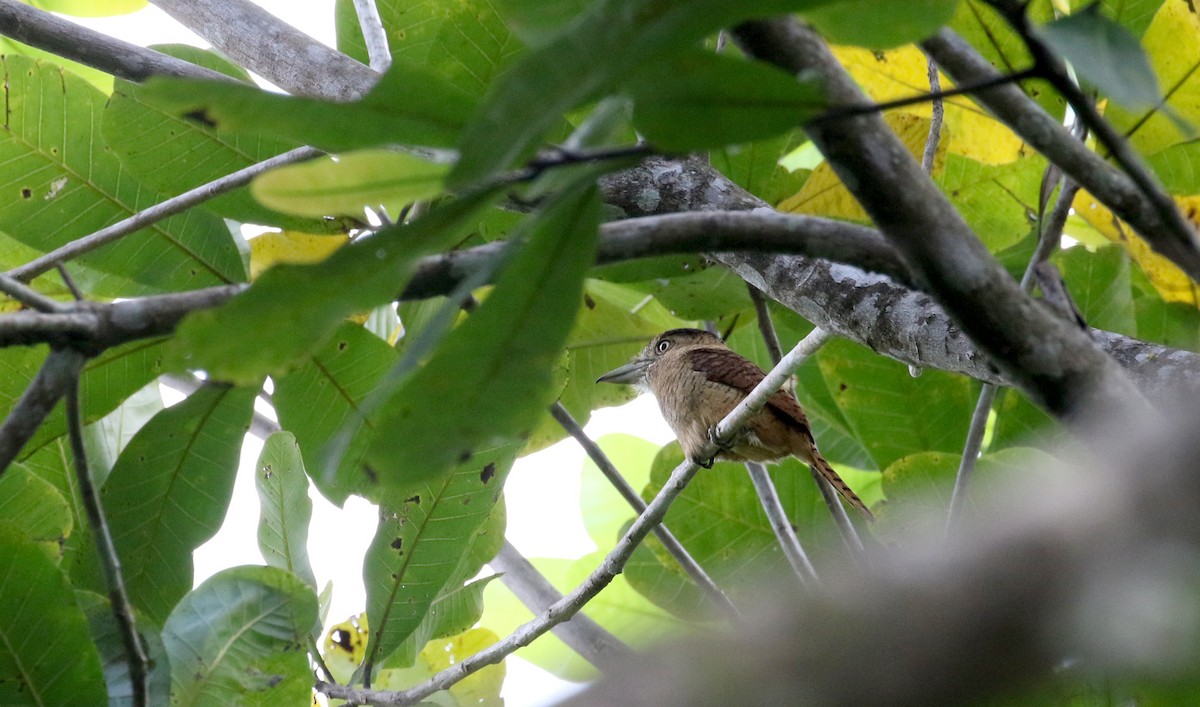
(631, 373)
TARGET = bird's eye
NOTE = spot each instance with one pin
(662, 346)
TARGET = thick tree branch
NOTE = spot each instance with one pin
(1056, 365)
(586, 637)
(273, 49)
(45, 31)
(1112, 187)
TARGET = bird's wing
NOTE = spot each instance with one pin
(731, 369)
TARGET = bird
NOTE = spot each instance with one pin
(697, 380)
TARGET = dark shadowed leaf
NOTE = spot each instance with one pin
(108, 640)
(881, 24)
(239, 639)
(47, 656)
(491, 377)
(700, 100)
(284, 507)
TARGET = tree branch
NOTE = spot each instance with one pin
(110, 563)
(1112, 187)
(1055, 364)
(374, 34)
(670, 543)
(273, 49)
(586, 637)
(45, 31)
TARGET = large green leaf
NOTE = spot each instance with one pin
(46, 654)
(324, 397)
(700, 100)
(491, 377)
(892, 413)
(755, 167)
(409, 106)
(64, 184)
(239, 639)
(165, 150)
(877, 24)
(996, 200)
(603, 46)
(284, 507)
(466, 42)
(34, 505)
(169, 491)
(1178, 167)
(425, 530)
(367, 273)
(1172, 324)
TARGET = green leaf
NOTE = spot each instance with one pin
(700, 100)
(755, 167)
(425, 530)
(600, 48)
(998, 201)
(1104, 54)
(90, 8)
(492, 376)
(356, 278)
(284, 507)
(47, 656)
(1019, 422)
(409, 106)
(466, 42)
(107, 437)
(892, 413)
(1178, 167)
(161, 149)
(1172, 324)
(709, 292)
(35, 506)
(1099, 284)
(881, 25)
(319, 400)
(169, 491)
(239, 639)
(111, 645)
(64, 183)
(605, 512)
(347, 183)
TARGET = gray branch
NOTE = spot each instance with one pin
(50, 384)
(48, 32)
(586, 637)
(273, 49)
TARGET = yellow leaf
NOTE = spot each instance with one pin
(824, 194)
(1171, 282)
(345, 646)
(290, 247)
(480, 688)
(1172, 43)
(968, 130)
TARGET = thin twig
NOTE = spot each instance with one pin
(69, 281)
(374, 34)
(935, 122)
(612, 565)
(315, 653)
(670, 543)
(39, 398)
(158, 212)
(135, 651)
(29, 297)
(765, 326)
(586, 637)
(781, 525)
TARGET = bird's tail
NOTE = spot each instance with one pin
(827, 473)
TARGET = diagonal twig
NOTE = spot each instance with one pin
(43, 393)
(672, 545)
(135, 650)
(374, 34)
(29, 297)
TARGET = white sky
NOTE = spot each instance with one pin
(542, 491)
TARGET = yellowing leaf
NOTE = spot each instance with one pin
(479, 688)
(290, 247)
(968, 130)
(346, 184)
(1171, 282)
(824, 194)
(1172, 43)
(344, 647)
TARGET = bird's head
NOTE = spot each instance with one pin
(664, 346)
